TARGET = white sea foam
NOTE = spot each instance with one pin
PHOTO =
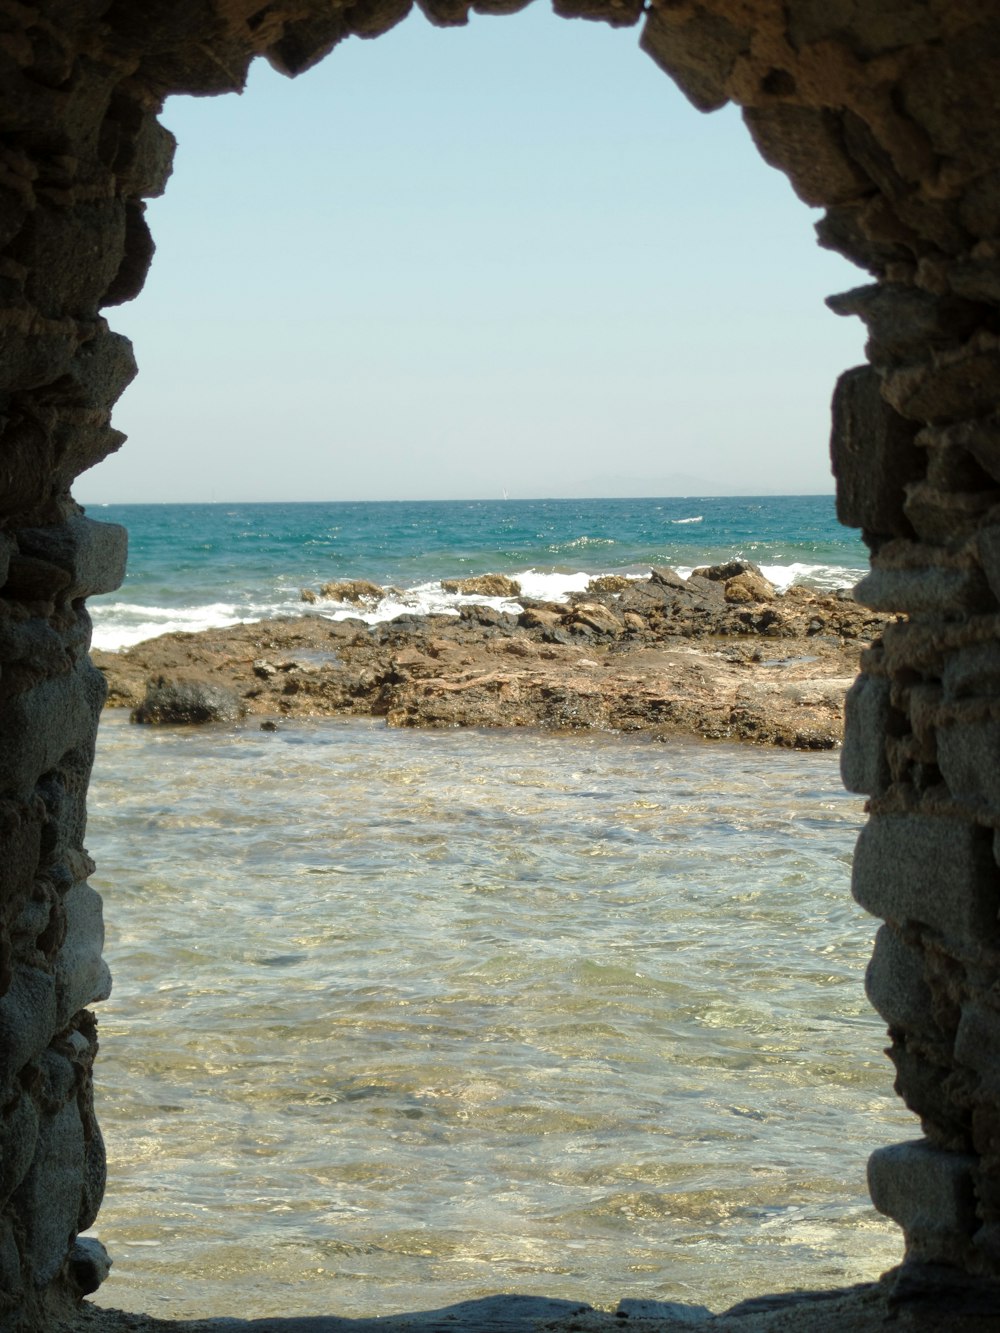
(119, 625)
(549, 587)
(824, 578)
(431, 599)
(698, 518)
(122, 624)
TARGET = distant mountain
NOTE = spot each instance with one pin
(616, 484)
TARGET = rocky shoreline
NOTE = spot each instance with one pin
(719, 655)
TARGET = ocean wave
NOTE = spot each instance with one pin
(582, 541)
(824, 578)
(120, 625)
(431, 599)
(698, 518)
(545, 586)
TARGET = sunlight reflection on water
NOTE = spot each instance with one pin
(402, 1018)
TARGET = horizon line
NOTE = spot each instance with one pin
(479, 499)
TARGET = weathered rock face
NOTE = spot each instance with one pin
(885, 115)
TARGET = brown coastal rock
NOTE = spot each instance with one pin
(351, 590)
(676, 660)
(742, 581)
(483, 585)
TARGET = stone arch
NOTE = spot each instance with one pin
(884, 115)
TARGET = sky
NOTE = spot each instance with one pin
(505, 259)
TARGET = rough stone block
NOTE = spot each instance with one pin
(82, 976)
(977, 1042)
(38, 726)
(89, 1265)
(979, 438)
(949, 593)
(20, 843)
(894, 982)
(939, 872)
(64, 794)
(870, 30)
(49, 1198)
(57, 1081)
(27, 1020)
(92, 554)
(30, 579)
(697, 51)
(940, 515)
(864, 767)
(7, 548)
(904, 323)
(971, 672)
(617, 13)
(946, 390)
(807, 144)
(143, 149)
(928, 1192)
(33, 646)
(988, 550)
(873, 456)
(95, 1178)
(10, 1260)
(18, 1139)
(968, 755)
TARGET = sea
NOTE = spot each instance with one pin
(192, 567)
(403, 1018)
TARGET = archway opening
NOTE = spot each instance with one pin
(642, 1203)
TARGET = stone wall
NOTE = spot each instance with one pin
(886, 115)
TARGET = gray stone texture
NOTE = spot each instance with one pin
(988, 550)
(977, 1042)
(948, 593)
(82, 976)
(885, 115)
(92, 554)
(971, 671)
(930, 1194)
(895, 982)
(184, 701)
(932, 871)
(873, 456)
(864, 763)
(968, 755)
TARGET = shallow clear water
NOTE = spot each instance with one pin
(402, 1018)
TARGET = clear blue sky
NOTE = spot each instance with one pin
(453, 263)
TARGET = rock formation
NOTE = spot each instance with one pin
(665, 656)
(883, 114)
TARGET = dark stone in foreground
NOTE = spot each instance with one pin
(184, 700)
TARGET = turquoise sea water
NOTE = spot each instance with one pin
(193, 566)
(402, 1018)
